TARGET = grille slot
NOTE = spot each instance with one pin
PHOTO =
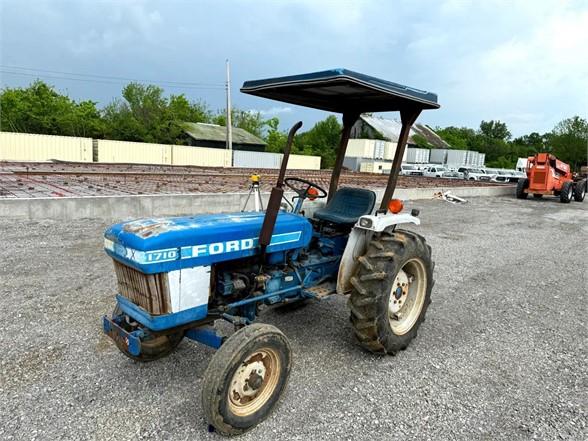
(149, 291)
(539, 177)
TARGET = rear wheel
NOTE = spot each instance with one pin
(580, 191)
(246, 378)
(567, 192)
(522, 185)
(392, 291)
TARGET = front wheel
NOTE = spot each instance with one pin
(580, 191)
(567, 192)
(392, 290)
(152, 347)
(522, 185)
(246, 378)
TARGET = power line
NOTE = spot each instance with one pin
(108, 79)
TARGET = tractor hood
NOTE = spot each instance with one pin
(165, 244)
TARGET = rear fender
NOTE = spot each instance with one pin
(360, 236)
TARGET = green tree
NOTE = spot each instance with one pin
(39, 108)
(322, 140)
(146, 115)
(570, 141)
(421, 142)
(501, 162)
(275, 139)
(495, 130)
(459, 138)
(533, 140)
(249, 121)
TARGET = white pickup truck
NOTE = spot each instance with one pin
(438, 171)
(410, 170)
(502, 175)
(475, 174)
(434, 172)
(499, 175)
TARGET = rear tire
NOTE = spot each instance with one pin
(245, 378)
(392, 290)
(567, 192)
(580, 191)
(522, 185)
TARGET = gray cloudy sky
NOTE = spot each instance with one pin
(523, 62)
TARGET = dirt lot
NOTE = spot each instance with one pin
(503, 354)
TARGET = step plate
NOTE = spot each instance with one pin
(323, 290)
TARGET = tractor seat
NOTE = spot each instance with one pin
(347, 206)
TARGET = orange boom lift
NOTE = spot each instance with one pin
(548, 175)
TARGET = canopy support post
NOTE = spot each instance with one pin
(349, 119)
(408, 117)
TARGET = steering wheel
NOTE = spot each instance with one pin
(304, 193)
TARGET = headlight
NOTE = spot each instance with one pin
(365, 222)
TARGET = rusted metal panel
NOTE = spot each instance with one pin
(42, 180)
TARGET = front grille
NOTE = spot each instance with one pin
(539, 177)
(149, 291)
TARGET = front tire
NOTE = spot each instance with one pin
(392, 290)
(567, 192)
(245, 378)
(522, 185)
(153, 347)
(580, 191)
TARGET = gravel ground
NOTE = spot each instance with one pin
(502, 355)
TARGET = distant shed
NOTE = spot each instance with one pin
(215, 136)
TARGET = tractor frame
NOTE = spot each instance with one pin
(176, 276)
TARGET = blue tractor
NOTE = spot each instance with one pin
(177, 276)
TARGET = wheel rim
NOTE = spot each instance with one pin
(570, 191)
(254, 382)
(407, 296)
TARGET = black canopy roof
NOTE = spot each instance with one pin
(341, 90)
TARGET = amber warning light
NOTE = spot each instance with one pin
(312, 193)
(395, 206)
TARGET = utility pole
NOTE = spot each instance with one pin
(229, 160)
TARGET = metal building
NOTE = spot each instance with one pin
(417, 156)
